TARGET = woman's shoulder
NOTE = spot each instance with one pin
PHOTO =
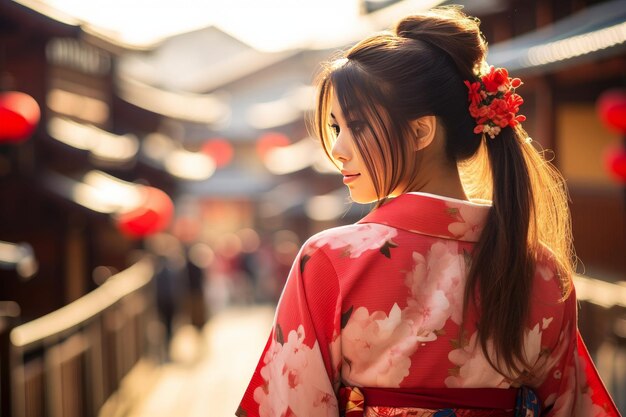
(352, 240)
(362, 230)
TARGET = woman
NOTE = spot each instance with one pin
(433, 304)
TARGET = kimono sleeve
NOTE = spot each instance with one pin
(298, 372)
(572, 386)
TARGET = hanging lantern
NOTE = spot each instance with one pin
(220, 150)
(19, 115)
(615, 161)
(153, 215)
(269, 141)
(612, 109)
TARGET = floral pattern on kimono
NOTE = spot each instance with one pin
(379, 304)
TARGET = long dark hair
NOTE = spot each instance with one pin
(417, 69)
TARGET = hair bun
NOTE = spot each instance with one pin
(452, 31)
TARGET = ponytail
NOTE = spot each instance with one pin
(529, 213)
(503, 266)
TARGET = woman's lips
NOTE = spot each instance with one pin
(348, 178)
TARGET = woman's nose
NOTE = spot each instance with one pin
(339, 151)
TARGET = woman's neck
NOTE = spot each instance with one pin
(436, 173)
(446, 186)
(439, 179)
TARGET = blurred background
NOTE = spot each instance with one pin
(157, 177)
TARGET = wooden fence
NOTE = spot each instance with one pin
(69, 362)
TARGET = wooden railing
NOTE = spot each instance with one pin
(69, 362)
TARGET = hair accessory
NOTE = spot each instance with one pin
(493, 101)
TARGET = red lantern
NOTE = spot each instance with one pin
(269, 141)
(612, 109)
(615, 161)
(220, 150)
(19, 115)
(152, 216)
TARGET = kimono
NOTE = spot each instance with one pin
(380, 303)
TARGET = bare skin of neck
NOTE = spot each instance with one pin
(447, 185)
(437, 175)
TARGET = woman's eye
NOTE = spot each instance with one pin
(335, 129)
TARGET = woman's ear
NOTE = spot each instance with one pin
(424, 129)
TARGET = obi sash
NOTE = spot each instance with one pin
(513, 402)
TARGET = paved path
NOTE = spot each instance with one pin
(209, 371)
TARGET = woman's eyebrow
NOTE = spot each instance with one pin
(333, 116)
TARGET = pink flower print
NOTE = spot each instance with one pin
(575, 400)
(335, 355)
(545, 322)
(447, 267)
(539, 358)
(532, 344)
(472, 368)
(427, 307)
(587, 407)
(377, 348)
(584, 404)
(359, 239)
(296, 382)
(545, 361)
(564, 403)
(470, 225)
(436, 289)
(545, 272)
(470, 358)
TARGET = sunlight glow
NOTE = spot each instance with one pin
(102, 145)
(199, 108)
(282, 111)
(20, 256)
(576, 45)
(81, 106)
(287, 159)
(274, 25)
(187, 165)
(113, 194)
(269, 25)
(96, 190)
(326, 207)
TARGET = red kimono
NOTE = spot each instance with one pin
(379, 304)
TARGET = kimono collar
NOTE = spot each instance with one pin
(432, 215)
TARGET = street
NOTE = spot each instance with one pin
(208, 371)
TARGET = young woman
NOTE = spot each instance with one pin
(454, 296)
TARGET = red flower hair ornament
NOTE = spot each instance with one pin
(493, 101)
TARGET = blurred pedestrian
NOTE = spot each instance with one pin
(199, 257)
(436, 303)
(170, 273)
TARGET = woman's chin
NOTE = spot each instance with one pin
(360, 199)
